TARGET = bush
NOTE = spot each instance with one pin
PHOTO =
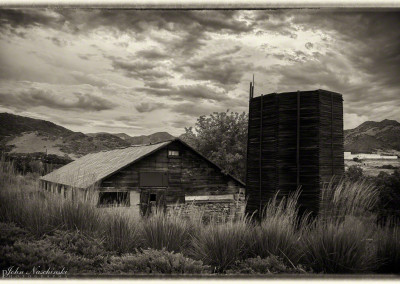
(161, 231)
(388, 248)
(155, 262)
(334, 246)
(76, 243)
(277, 233)
(389, 194)
(222, 244)
(10, 233)
(271, 264)
(354, 173)
(71, 251)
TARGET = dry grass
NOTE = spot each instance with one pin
(342, 239)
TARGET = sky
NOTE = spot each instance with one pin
(140, 72)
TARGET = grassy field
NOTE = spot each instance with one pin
(374, 167)
(38, 229)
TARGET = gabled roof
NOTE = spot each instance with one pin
(92, 168)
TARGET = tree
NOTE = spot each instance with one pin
(222, 138)
(354, 173)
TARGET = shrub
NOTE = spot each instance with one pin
(161, 231)
(354, 173)
(222, 244)
(389, 194)
(10, 233)
(71, 251)
(334, 246)
(155, 261)
(388, 248)
(277, 233)
(268, 265)
(76, 243)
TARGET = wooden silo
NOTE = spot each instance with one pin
(295, 139)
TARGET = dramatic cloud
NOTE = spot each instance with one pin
(35, 98)
(148, 107)
(139, 72)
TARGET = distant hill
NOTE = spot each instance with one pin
(136, 140)
(372, 136)
(152, 138)
(19, 134)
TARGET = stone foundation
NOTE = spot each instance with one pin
(219, 211)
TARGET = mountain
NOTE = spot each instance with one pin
(19, 134)
(136, 140)
(372, 136)
(152, 138)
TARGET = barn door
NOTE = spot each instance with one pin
(150, 200)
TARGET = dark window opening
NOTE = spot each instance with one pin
(114, 199)
(173, 153)
(153, 197)
(153, 179)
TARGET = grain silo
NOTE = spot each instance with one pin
(295, 139)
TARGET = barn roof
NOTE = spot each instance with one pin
(92, 168)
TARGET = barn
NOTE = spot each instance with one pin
(169, 175)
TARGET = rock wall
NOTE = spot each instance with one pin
(219, 211)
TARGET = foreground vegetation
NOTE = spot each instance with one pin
(39, 229)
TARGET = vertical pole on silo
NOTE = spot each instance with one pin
(298, 141)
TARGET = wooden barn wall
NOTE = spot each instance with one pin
(295, 139)
(188, 174)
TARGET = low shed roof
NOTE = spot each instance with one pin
(92, 168)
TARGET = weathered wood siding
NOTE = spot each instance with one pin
(295, 139)
(188, 174)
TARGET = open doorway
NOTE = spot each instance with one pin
(151, 200)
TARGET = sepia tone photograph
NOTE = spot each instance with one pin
(153, 142)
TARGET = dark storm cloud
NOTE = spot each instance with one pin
(191, 26)
(186, 92)
(148, 106)
(371, 40)
(152, 54)
(83, 78)
(139, 69)
(26, 18)
(34, 97)
(194, 109)
(58, 41)
(220, 68)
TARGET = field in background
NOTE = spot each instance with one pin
(41, 229)
(374, 167)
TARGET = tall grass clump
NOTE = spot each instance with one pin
(348, 198)
(277, 233)
(340, 238)
(388, 248)
(76, 214)
(338, 247)
(121, 232)
(166, 231)
(220, 245)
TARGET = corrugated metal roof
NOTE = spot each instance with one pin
(91, 168)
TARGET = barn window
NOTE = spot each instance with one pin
(114, 198)
(153, 179)
(173, 153)
(153, 197)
